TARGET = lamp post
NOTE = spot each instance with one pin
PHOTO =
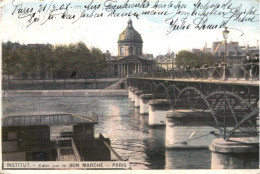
(172, 55)
(225, 36)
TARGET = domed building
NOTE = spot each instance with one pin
(130, 42)
(130, 47)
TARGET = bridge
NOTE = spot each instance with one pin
(193, 96)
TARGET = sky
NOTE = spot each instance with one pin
(104, 32)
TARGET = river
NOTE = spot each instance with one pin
(118, 120)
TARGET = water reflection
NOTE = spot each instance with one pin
(143, 122)
(155, 150)
(187, 159)
(111, 119)
(136, 113)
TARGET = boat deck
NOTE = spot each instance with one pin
(67, 150)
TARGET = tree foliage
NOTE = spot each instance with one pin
(57, 61)
(186, 58)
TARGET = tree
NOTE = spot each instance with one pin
(185, 58)
(58, 61)
(98, 61)
(194, 59)
(11, 61)
(82, 59)
(204, 58)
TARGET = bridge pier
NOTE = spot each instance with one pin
(129, 93)
(188, 129)
(181, 158)
(137, 99)
(132, 90)
(236, 153)
(144, 99)
(157, 110)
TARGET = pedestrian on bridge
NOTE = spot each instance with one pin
(247, 67)
(255, 67)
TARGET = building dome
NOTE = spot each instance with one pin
(130, 35)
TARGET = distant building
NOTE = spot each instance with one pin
(233, 49)
(196, 50)
(108, 55)
(166, 61)
(147, 56)
(235, 53)
(215, 45)
(206, 49)
(252, 51)
(37, 45)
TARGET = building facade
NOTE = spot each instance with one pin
(166, 62)
(130, 59)
(235, 53)
(233, 49)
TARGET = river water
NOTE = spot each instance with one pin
(118, 120)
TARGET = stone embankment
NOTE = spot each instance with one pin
(64, 93)
(121, 84)
(60, 84)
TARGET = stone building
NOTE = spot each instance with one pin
(130, 42)
(235, 53)
(233, 49)
(130, 58)
(166, 61)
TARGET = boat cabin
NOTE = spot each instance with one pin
(28, 138)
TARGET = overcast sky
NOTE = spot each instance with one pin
(103, 32)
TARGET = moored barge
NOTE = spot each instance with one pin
(28, 138)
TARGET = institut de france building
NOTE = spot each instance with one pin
(130, 58)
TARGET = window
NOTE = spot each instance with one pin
(130, 50)
(139, 51)
(122, 51)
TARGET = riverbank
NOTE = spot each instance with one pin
(64, 93)
(64, 84)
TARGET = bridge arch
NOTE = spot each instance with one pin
(234, 113)
(147, 86)
(173, 91)
(133, 82)
(200, 96)
(252, 114)
(230, 94)
(165, 90)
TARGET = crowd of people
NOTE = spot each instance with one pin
(251, 67)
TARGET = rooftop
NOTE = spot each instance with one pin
(130, 35)
(52, 119)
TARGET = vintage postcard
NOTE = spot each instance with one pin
(128, 85)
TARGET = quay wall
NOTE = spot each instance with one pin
(64, 93)
(66, 84)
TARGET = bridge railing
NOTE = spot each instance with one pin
(235, 72)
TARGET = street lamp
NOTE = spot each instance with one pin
(172, 55)
(225, 36)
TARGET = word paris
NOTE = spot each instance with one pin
(178, 15)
